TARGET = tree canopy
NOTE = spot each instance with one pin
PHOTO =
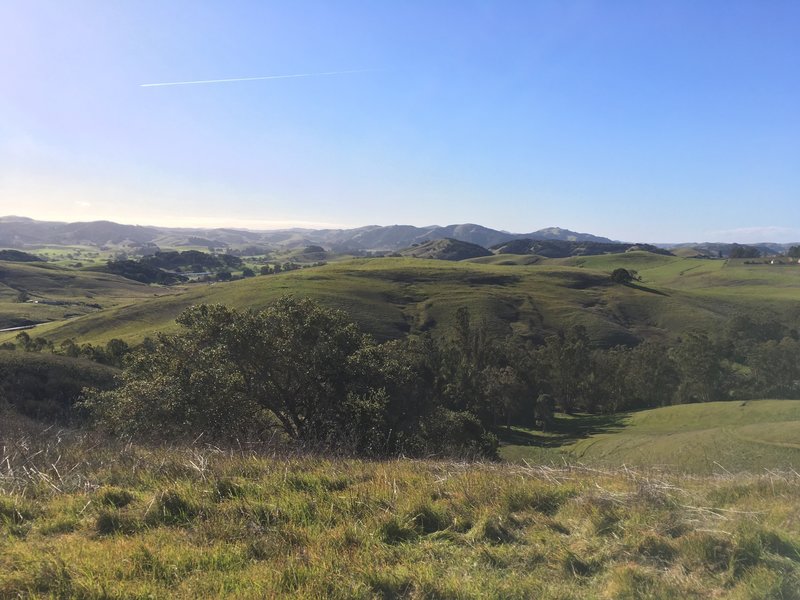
(297, 367)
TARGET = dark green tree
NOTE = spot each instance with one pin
(624, 276)
(775, 367)
(651, 376)
(69, 348)
(24, 340)
(699, 364)
(567, 363)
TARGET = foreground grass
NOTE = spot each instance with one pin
(86, 518)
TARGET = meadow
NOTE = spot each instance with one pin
(87, 517)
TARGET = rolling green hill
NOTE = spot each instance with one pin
(697, 438)
(392, 296)
(52, 293)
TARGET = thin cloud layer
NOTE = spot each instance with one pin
(266, 77)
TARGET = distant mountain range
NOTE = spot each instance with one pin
(21, 232)
(717, 249)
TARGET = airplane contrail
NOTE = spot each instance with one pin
(294, 76)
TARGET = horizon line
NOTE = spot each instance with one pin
(284, 225)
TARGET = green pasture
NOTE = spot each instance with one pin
(715, 437)
(59, 294)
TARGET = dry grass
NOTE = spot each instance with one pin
(84, 517)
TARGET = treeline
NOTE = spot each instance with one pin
(192, 259)
(744, 251)
(113, 353)
(749, 358)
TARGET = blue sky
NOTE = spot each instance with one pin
(654, 121)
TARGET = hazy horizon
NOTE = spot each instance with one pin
(310, 226)
(633, 121)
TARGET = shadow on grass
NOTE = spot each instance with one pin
(565, 430)
(638, 286)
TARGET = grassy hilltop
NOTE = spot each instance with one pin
(393, 296)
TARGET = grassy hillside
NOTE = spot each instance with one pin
(87, 518)
(698, 438)
(392, 296)
(731, 278)
(57, 293)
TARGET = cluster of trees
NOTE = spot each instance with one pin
(193, 260)
(308, 371)
(743, 251)
(304, 370)
(113, 353)
(625, 276)
(18, 256)
(288, 266)
(749, 359)
(163, 267)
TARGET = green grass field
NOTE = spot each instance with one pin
(69, 256)
(84, 517)
(714, 437)
(392, 296)
(72, 292)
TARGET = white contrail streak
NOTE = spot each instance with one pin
(296, 75)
